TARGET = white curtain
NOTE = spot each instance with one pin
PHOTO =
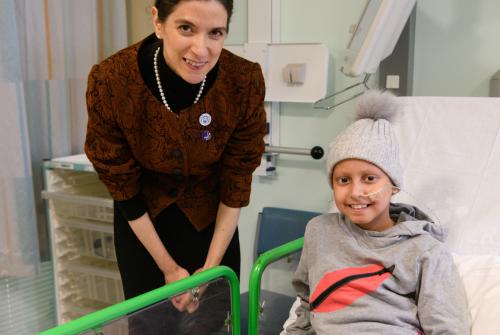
(47, 48)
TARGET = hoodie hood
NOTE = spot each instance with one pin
(411, 221)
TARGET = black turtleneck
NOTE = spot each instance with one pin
(179, 93)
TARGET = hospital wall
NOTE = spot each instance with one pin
(457, 49)
(456, 52)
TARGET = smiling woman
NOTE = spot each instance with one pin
(175, 131)
(194, 34)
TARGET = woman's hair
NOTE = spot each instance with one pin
(166, 7)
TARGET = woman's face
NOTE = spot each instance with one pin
(193, 36)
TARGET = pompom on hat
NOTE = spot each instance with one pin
(371, 137)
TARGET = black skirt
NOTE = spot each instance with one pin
(185, 244)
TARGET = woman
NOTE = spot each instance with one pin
(175, 131)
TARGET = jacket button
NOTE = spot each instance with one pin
(176, 153)
(178, 174)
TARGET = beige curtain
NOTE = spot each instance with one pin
(47, 49)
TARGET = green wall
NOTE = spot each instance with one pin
(457, 47)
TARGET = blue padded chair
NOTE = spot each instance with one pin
(275, 226)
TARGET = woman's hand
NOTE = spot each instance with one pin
(176, 274)
(181, 301)
(145, 231)
(195, 295)
(225, 226)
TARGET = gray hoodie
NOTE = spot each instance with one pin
(398, 281)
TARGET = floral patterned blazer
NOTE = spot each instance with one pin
(137, 146)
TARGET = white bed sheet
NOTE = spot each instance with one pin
(450, 152)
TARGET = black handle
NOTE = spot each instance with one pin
(317, 152)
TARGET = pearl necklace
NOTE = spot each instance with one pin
(158, 82)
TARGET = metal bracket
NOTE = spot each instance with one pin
(316, 152)
(363, 83)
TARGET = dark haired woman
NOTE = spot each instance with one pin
(175, 131)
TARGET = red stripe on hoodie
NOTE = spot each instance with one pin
(351, 291)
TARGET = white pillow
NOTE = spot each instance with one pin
(481, 278)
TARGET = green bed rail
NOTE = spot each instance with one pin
(258, 268)
(94, 321)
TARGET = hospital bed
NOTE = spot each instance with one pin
(450, 152)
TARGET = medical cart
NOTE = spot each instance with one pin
(80, 216)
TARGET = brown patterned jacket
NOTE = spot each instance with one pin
(137, 145)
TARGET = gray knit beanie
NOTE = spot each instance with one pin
(371, 137)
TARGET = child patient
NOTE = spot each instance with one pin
(375, 267)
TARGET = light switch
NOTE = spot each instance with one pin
(294, 74)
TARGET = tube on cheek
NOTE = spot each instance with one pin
(372, 196)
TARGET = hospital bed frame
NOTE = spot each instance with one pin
(95, 321)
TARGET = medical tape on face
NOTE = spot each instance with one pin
(374, 194)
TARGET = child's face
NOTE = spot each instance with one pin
(362, 192)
